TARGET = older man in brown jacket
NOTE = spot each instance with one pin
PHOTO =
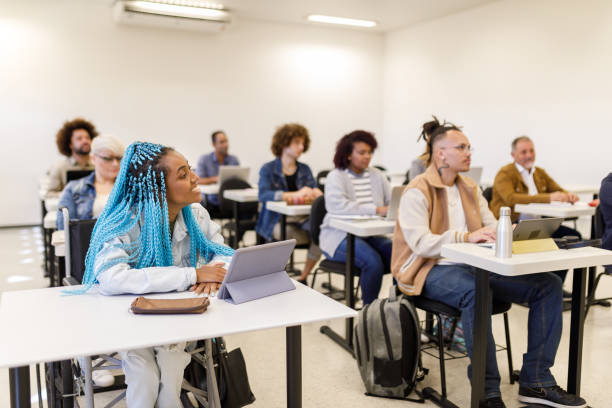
(520, 182)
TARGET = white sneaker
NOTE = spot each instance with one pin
(101, 378)
(424, 338)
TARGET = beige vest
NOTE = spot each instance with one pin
(430, 184)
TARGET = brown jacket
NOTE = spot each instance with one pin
(408, 268)
(510, 189)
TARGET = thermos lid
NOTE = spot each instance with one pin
(504, 211)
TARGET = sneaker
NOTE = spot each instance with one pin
(554, 396)
(494, 402)
(102, 378)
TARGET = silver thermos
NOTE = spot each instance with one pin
(503, 241)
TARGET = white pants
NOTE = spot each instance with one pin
(154, 376)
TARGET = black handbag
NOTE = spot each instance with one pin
(233, 375)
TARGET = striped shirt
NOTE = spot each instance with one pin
(362, 187)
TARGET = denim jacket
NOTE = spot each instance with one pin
(78, 197)
(272, 185)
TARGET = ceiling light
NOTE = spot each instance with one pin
(341, 20)
(180, 8)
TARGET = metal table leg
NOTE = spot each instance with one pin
(236, 208)
(481, 321)
(294, 366)
(19, 382)
(576, 332)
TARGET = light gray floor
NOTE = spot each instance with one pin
(330, 375)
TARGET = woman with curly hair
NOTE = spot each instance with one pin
(355, 188)
(287, 179)
(73, 141)
(154, 236)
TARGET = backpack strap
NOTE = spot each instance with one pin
(393, 291)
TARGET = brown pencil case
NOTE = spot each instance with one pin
(143, 305)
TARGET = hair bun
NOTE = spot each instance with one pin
(429, 127)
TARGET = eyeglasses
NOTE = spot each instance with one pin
(463, 148)
(109, 159)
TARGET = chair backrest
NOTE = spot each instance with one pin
(321, 176)
(225, 205)
(599, 225)
(488, 194)
(78, 234)
(317, 213)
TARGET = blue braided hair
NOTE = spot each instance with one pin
(139, 195)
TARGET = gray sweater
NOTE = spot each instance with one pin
(340, 200)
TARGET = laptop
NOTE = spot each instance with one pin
(228, 172)
(77, 174)
(396, 196)
(475, 173)
(536, 229)
(258, 271)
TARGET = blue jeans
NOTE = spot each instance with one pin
(454, 285)
(373, 258)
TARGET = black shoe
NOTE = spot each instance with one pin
(550, 396)
(302, 281)
(567, 294)
(494, 402)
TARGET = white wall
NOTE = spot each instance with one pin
(541, 68)
(63, 59)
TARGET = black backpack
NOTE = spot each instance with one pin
(387, 346)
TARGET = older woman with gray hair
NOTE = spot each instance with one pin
(85, 198)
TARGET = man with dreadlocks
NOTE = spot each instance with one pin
(440, 207)
(152, 236)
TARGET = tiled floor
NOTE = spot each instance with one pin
(330, 375)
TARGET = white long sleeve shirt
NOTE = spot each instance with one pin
(121, 278)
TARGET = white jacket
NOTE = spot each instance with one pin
(121, 278)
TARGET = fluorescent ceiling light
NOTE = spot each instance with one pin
(188, 9)
(341, 20)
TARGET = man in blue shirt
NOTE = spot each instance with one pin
(208, 168)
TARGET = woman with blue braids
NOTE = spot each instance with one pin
(153, 236)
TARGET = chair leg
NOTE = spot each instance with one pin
(441, 356)
(314, 277)
(508, 348)
(451, 333)
(87, 370)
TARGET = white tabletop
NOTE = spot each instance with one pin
(58, 240)
(242, 196)
(51, 203)
(102, 324)
(562, 210)
(363, 228)
(281, 207)
(49, 222)
(209, 188)
(523, 264)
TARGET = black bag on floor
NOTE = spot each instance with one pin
(231, 374)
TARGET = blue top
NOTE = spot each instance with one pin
(208, 166)
(78, 197)
(605, 204)
(272, 185)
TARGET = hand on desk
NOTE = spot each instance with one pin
(382, 211)
(485, 234)
(563, 197)
(209, 278)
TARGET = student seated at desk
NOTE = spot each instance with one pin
(521, 182)
(73, 141)
(208, 168)
(85, 198)
(355, 188)
(154, 236)
(441, 207)
(287, 179)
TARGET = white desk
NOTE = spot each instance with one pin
(283, 208)
(51, 203)
(27, 314)
(209, 188)
(240, 196)
(555, 210)
(363, 229)
(247, 195)
(483, 261)
(591, 189)
(49, 222)
(58, 240)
